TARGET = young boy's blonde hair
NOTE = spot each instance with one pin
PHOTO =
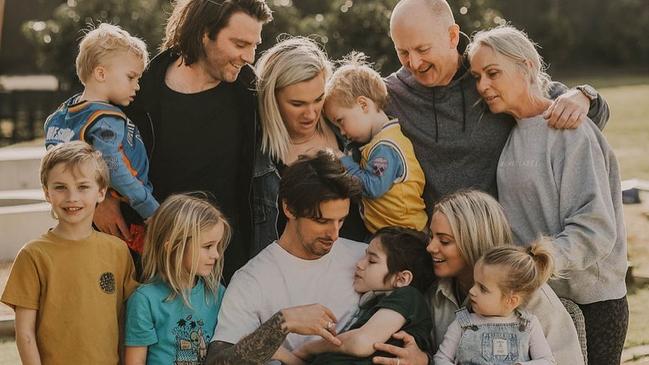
(355, 77)
(72, 155)
(174, 228)
(103, 41)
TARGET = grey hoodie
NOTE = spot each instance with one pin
(456, 139)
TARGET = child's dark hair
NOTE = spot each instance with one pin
(405, 249)
(525, 268)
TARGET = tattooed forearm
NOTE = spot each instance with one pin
(256, 348)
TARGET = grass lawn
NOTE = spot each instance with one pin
(628, 133)
(628, 128)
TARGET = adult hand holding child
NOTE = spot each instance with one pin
(311, 319)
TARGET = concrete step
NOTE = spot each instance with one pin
(24, 215)
(19, 167)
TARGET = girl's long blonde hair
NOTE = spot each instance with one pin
(174, 228)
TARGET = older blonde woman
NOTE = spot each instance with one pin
(563, 183)
(291, 90)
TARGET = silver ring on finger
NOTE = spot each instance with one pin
(330, 325)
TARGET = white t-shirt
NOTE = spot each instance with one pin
(275, 279)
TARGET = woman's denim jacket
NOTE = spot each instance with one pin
(265, 189)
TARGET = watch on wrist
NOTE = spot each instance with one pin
(588, 91)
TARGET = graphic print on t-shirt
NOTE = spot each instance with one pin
(107, 282)
(191, 341)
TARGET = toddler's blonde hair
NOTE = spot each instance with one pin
(524, 269)
(355, 77)
(103, 41)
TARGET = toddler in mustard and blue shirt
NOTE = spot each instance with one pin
(393, 181)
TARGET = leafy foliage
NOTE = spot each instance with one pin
(57, 39)
(572, 33)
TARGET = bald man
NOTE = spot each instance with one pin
(456, 139)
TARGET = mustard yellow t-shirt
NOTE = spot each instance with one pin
(79, 289)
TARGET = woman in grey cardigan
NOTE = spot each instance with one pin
(561, 183)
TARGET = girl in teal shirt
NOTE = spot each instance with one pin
(170, 319)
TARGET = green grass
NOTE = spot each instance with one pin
(628, 133)
(628, 128)
(603, 78)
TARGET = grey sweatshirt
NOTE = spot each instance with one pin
(456, 139)
(566, 184)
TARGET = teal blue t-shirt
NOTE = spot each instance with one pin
(173, 332)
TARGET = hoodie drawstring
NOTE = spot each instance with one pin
(435, 114)
(463, 108)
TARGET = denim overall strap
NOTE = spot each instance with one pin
(463, 317)
(492, 343)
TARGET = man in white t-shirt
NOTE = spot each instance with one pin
(268, 308)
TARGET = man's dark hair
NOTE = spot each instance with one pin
(191, 19)
(312, 180)
(405, 249)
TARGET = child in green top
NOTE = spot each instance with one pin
(392, 275)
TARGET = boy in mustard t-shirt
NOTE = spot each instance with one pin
(393, 181)
(68, 287)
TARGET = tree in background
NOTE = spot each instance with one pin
(572, 33)
(56, 39)
(345, 25)
(584, 33)
(339, 25)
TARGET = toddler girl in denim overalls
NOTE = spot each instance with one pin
(494, 330)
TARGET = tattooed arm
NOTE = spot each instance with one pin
(260, 346)
(256, 348)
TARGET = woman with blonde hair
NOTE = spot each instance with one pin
(291, 79)
(171, 317)
(464, 226)
(564, 183)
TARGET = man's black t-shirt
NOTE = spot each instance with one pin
(198, 145)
